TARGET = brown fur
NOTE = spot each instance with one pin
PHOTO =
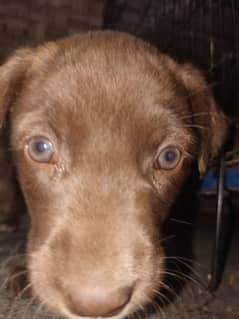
(109, 103)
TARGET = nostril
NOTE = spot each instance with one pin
(88, 302)
(118, 301)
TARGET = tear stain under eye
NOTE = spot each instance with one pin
(58, 171)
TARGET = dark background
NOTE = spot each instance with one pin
(205, 32)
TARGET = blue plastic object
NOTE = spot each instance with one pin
(231, 179)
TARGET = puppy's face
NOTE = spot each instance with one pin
(103, 134)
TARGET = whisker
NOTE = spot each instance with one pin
(40, 308)
(10, 258)
(199, 114)
(11, 311)
(163, 298)
(30, 303)
(184, 260)
(159, 309)
(20, 273)
(19, 296)
(181, 276)
(195, 126)
(161, 295)
(187, 263)
(180, 221)
(167, 238)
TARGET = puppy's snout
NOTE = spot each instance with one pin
(87, 301)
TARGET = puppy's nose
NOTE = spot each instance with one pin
(87, 302)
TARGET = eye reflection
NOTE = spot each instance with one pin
(40, 149)
(168, 158)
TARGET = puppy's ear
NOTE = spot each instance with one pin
(210, 122)
(12, 74)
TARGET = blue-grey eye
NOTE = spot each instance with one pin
(40, 149)
(168, 158)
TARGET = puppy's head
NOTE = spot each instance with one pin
(104, 129)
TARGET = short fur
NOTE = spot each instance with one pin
(109, 103)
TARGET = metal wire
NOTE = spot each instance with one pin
(205, 32)
(216, 270)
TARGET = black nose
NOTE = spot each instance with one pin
(85, 302)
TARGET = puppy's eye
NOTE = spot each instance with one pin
(40, 149)
(168, 158)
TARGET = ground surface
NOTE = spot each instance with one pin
(193, 302)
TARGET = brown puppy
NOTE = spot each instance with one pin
(104, 129)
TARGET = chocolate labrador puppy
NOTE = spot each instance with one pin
(103, 131)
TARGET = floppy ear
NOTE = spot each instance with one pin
(12, 74)
(209, 121)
